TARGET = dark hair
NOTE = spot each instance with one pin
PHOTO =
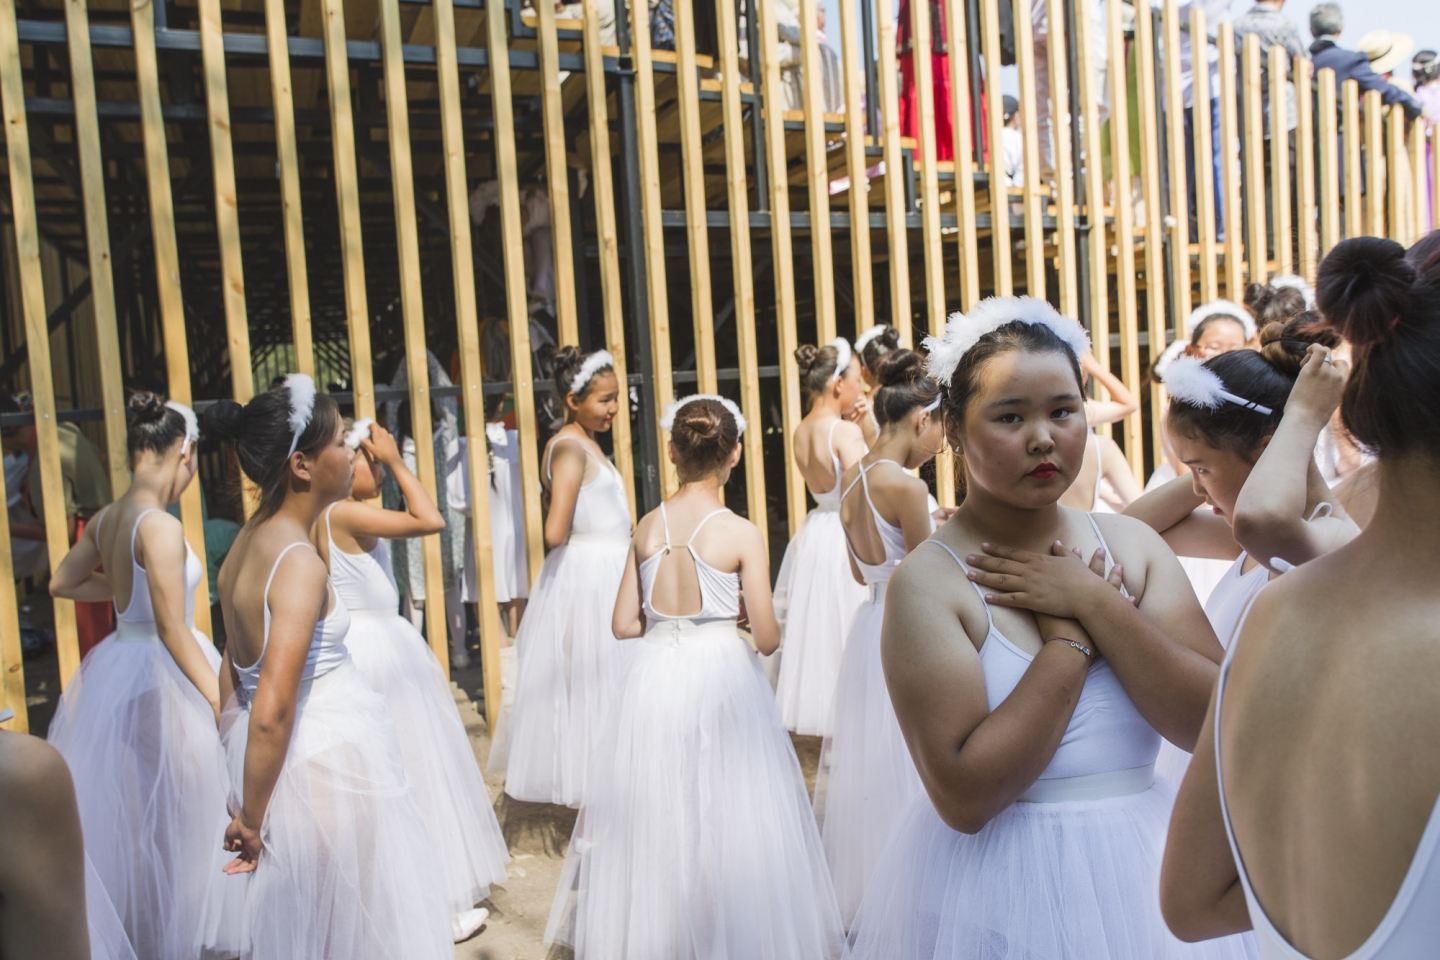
(261, 433)
(1273, 304)
(879, 345)
(1265, 376)
(150, 425)
(817, 367)
(904, 386)
(1387, 304)
(565, 363)
(1196, 333)
(1015, 335)
(704, 434)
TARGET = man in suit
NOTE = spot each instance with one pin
(1326, 22)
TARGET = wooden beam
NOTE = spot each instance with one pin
(1179, 220)
(1375, 172)
(1155, 319)
(929, 176)
(960, 94)
(817, 172)
(1230, 162)
(1034, 191)
(995, 124)
(1395, 169)
(1280, 159)
(697, 234)
(1354, 166)
(1257, 240)
(283, 101)
(1065, 258)
(1418, 178)
(862, 270)
(557, 174)
(12, 657)
(1434, 177)
(1204, 170)
(97, 240)
(1127, 304)
(1305, 171)
(1329, 161)
(167, 276)
(462, 264)
(1091, 93)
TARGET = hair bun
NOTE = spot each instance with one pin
(1363, 288)
(807, 355)
(700, 421)
(1284, 345)
(899, 367)
(144, 407)
(223, 420)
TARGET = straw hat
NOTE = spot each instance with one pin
(1386, 50)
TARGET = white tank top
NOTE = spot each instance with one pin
(891, 536)
(602, 511)
(327, 645)
(141, 608)
(363, 581)
(719, 592)
(1409, 930)
(830, 499)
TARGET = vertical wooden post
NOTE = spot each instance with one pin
(1395, 166)
(697, 234)
(1179, 190)
(1305, 169)
(1418, 179)
(782, 252)
(1091, 93)
(1035, 191)
(1065, 261)
(1435, 177)
(960, 94)
(1329, 147)
(287, 155)
(462, 264)
(1354, 168)
(1257, 240)
(1230, 162)
(602, 186)
(1280, 159)
(929, 176)
(995, 117)
(1204, 163)
(1155, 320)
(167, 275)
(1127, 305)
(12, 658)
(97, 241)
(817, 172)
(1375, 172)
(558, 176)
(897, 232)
(852, 55)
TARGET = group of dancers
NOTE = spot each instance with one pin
(1010, 692)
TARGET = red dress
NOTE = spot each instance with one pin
(940, 77)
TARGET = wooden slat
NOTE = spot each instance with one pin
(167, 277)
(1435, 177)
(1418, 177)
(1204, 170)
(1375, 172)
(781, 252)
(817, 176)
(97, 242)
(1150, 165)
(995, 124)
(741, 260)
(503, 109)
(457, 193)
(12, 659)
(1230, 161)
(1127, 304)
(558, 177)
(1328, 144)
(1305, 171)
(602, 186)
(1257, 236)
(1035, 190)
(347, 200)
(929, 175)
(1354, 167)
(412, 314)
(895, 228)
(1280, 160)
(697, 235)
(960, 94)
(1179, 193)
(1091, 93)
(862, 270)
(1065, 260)
(291, 210)
(1395, 167)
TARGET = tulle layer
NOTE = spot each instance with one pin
(696, 839)
(816, 597)
(1042, 881)
(569, 667)
(866, 780)
(150, 779)
(108, 940)
(467, 845)
(346, 872)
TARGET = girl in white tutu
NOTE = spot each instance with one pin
(1244, 425)
(569, 661)
(137, 724)
(1042, 830)
(393, 657)
(815, 595)
(696, 838)
(866, 779)
(339, 860)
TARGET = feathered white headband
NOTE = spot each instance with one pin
(843, 356)
(360, 431)
(192, 423)
(1296, 282)
(302, 406)
(1222, 308)
(965, 330)
(667, 422)
(1172, 353)
(593, 364)
(869, 335)
(1190, 381)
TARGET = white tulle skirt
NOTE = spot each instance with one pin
(866, 781)
(468, 847)
(816, 597)
(151, 783)
(696, 839)
(1076, 880)
(347, 871)
(570, 665)
(108, 940)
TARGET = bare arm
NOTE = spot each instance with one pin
(755, 587)
(160, 550)
(1122, 402)
(421, 517)
(849, 444)
(628, 621)
(916, 523)
(567, 473)
(78, 577)
(1116, 469)
(1174, 510)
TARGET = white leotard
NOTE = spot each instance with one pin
(719, 592)
(327, 645)
(364, 581)
(830, 499)
(602, 511)
(141, 609)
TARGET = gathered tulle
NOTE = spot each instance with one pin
(1077, 880)
(151, 783)
(696, 839)
(816, 597)
(467, 845)
(346, 871)
(108, 940)
(569, 667)
(866, 781)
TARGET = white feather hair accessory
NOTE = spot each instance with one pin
(967, 329)
(869, 335)
(593, 364)
(302, 406)
(1193, 383)
(843, 356)
(1172, 353)
(192, 423)
(1222, 308)
(360, 431)
(1296, 282)
(667, 422)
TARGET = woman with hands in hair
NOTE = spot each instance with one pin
(394, 658)
(696, 838)
(137, 723)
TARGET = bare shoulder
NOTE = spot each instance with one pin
(1130, 539)
(745, 533)
(848, 432)
(34, 778)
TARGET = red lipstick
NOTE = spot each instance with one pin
(1045, 471)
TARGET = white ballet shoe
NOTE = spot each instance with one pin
(468, 922)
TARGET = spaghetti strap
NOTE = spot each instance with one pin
(265, 597)
(953, 556)
(135, 530)
(830, 437)
(696, 532)
(665, 523)
(1322, 509)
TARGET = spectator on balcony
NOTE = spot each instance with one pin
(1425, 73)
(1273, 28)
(1327, 20)
(1012, 144)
